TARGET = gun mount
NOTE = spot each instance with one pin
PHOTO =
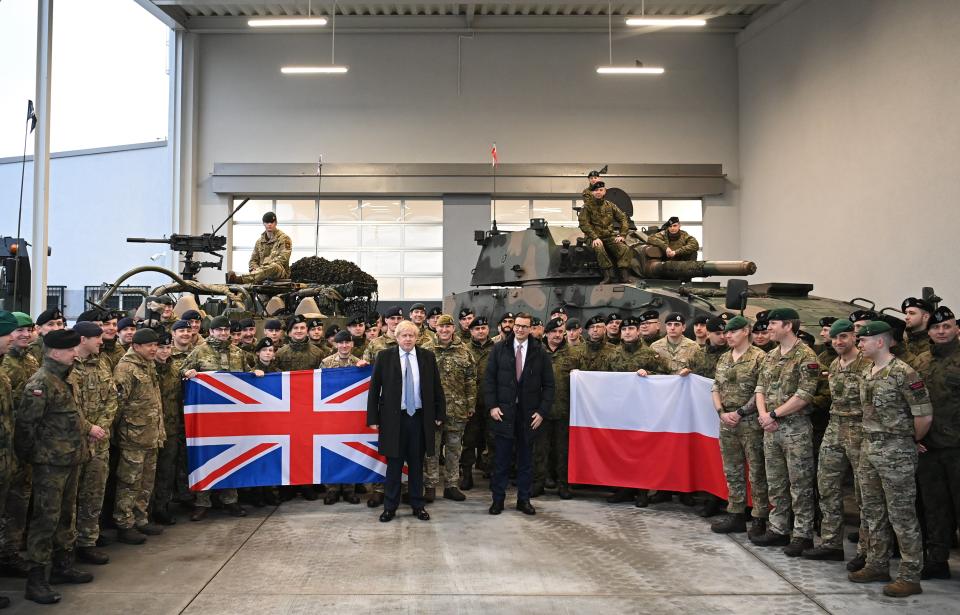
(188, 245)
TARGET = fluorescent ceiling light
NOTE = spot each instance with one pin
(295, 22)
(313, 70)
(630, 70)
(666, 21)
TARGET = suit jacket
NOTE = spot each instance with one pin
(518, 400)
(386, 392)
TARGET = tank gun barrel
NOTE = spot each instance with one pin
(684, 270)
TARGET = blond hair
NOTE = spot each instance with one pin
(404, 326)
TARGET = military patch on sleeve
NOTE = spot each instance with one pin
(813, 367)
(917, 385)
(38, 392)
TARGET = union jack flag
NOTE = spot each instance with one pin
(286, 428)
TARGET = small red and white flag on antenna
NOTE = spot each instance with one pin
(493, 155)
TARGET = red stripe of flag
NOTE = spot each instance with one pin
(233, 463)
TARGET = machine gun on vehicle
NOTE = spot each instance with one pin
(208, 243)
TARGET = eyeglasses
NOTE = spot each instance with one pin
(521, 326)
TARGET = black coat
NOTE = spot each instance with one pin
(518, 401)
(386, 391)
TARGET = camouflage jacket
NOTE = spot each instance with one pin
(768, 346)
(602, 220)
(827, 356)
(481, 354)
(359, 344)
(686, 354)
(113, 351)
(92, 381)
(334, 360)
(917, 342)
(631, 356)
(736, 379)
(35, 349)
(139, 407)
(706, 365)
(299, 355)
(171, 397)
(272, 251)
(942, 376)
(458, 377)
(564, 359)
(891, 397)
(324, 347)
(596, 355)
(845, 386)
(918, 362)
(684, 244)
(266, 369)
(177, 358)
(215, 356)
(18, 365)
(50, 428)
(8, 462)
(376, 346)
(784, 375)
(427, 338)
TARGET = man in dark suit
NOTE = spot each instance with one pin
(518, 390)
(406, 404)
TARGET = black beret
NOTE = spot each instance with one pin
(180, 324)
(536, 322)
(763, 316)
(48, 315)
(395, 310)
(191, 315)
(269, 217)
(95, 315)
(264, 342)
(342, 336)
(235, 326)
(760, 325)
(806, 338)
(418, 306)
(164, 299)
(675, 317)
(434, 311)
(559, 310)
(143, 336)
(596, 320)
(61, 339)
(917, 303)
(246, 323)
(597, 185)
(553, 323)
(572, 324)
(314, 322)
(331, 331)
(165, 338)
(220, 322)
(506, 315)
(673, 220)
(650, 315)
(294, 320)
(479, 321)
(702, 319)
(273, 325)
(630, 321)
(373, 322)
(614, 316)
(115, 314)
(716, 325)
(356, 320)
(125, 322)
(86, 328)
(863, 315)
(593, 174)
(465, 312)
(941, 314)
(827, 321)
(898, 326)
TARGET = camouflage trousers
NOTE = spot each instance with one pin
(171, 469)
(52, 530)
(92, 485)
(788, 459)
(612, 254)
(451, 437)
(888, 466)
(938, 474)
(227, 496)
(13, 524)
(136, 472)
(742, 450)
(839, 450)
(270, 272)
(551, 444)
(473, 442)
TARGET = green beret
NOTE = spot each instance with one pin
(445, 319)
(737, 322)
(23, 320)
(783, 313)
(8, 323)
(874, 327)
(840, 326)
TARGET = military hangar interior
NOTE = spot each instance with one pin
(811, 137)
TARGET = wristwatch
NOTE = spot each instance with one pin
(741, 413)
(773, 414)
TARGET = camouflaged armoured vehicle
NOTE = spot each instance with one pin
(542, 267)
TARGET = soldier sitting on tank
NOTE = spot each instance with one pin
(271, 255)
(605, 226)
(676, 244)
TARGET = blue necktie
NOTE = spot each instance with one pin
(408, 397)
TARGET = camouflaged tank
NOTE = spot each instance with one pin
(539, 268)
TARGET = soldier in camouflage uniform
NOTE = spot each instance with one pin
(418, 316)
(917, 313)
(111, 349)
(357, 328)
(271, 255)
(265, 352)
(681, 353)
(605, 227)
(18, 366)
(574, 332)
(8, 465)
(51, 434)
(170, 454)
(939, 469)
(139, 436)
(785, 388)
(48, 320)
(613, 324)
(675, 244)
(631, 356)
(343, 357)
(273, 329)
(741, 437)
(219, 355)
(596, 350)
(466, 317)
(896, 415)
(92, 381)
(761, 336)
(458, 377)
(841, 445)
(504, 327)
(650, 327)
(477, 432)
(824, 343)
(713, 349)
(299, 353)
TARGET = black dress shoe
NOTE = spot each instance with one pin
(387, 515)
(496, 508)
(526, 507)
(421, 513)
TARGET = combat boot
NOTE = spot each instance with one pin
(770, 539)
(563, 491)
(869, 575)
(710, 507)
(332, 496)
(608, 276)
(150, 529)
(351, 498)
(466, 479)
(857, 563)
(625, 275)
(902, 589)
(797, 546)
(162, 515)
(642, 499)
(235, 510)
(935, 570)
(621, 495)
(822, 553)
(38, 589)
(735, 523)
(92, 555)
(536, 490)
(452, 493)
(63, 571)
(130, 536)
(550, 483)
(375, 500)
(758, 527)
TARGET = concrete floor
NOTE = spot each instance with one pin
(577, 556)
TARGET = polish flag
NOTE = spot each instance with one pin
(657, 432)
(493, 155)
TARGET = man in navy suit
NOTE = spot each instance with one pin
(407, 406)
(518, 390)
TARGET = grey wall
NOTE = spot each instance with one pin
(849, 147)
(537, 96)
(97, 200)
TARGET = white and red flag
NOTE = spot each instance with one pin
(493, 155)
(657, 432)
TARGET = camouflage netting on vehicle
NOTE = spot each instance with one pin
(318, 270)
